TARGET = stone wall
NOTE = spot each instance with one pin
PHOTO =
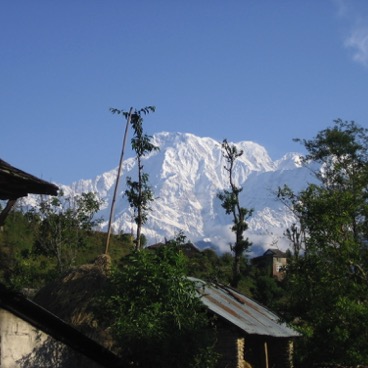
(22, 345)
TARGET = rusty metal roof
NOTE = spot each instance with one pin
(241, 311)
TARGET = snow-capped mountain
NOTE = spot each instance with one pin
(186, 174)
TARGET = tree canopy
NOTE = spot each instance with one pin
(155, 313)
(63, 223)
(328, 274)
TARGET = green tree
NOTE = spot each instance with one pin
(327, 277)
(17, 268)
(230, 202)
(64, 223)
(139, 192)
(155, 314)
(267, 290)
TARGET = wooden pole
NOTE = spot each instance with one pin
(266, 354)
(117, 182)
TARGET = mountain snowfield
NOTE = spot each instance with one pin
(185, 175)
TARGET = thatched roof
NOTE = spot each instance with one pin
(15, 183)
(70, 297)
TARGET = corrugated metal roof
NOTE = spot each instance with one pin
(242, 311)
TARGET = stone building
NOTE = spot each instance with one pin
(273, 262)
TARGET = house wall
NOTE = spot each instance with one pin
(265, 263)
(280, 351)
(263, 350)
(230, 346)
(277, 264)
(239, 350)
(22, 345)
(271, 265)
(16, 339)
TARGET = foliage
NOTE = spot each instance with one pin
(17, 232)
(29, 271)
(207, 265)
(230, 202)
(18, 267)
(139, 193)
(23, 267)
(154, 311)
(65, 220)
(267, 291)
(140, 196)
(327, 277)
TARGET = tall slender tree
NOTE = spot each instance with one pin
(139, 193)
(230, 202)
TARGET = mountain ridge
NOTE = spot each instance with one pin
(186, 174)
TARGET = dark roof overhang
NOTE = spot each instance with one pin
(15, 183)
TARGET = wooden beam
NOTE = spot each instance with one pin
(266, 354)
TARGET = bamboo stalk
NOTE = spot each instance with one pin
(117, 182)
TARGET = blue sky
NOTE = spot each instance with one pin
(260, 70)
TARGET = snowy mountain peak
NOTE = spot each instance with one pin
(186, 175)
(289, 161)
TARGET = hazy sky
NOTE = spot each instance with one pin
(260, 70)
